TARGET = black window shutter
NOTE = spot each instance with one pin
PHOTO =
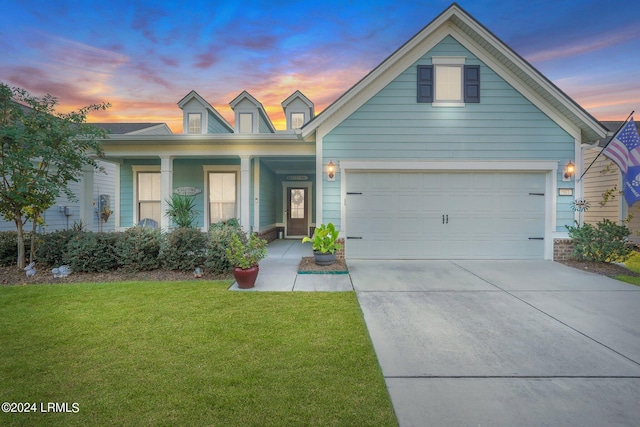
(472, 83)
(425, 83)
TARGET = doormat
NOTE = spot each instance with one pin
(308, 266)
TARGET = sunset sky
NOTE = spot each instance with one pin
(144, 56)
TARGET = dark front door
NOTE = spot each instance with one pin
(297, 219)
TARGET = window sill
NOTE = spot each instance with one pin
(448, 104)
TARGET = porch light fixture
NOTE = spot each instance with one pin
(569, 171)
(331, 171)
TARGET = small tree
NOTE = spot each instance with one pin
(41, 152)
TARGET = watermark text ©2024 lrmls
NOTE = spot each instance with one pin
(41, 407)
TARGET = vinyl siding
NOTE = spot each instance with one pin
(267, 198)
(104, 183)
(392, 125)
(214, 125)
(596, 183)
(186, 173)
(126, 188)
(263, 127)
(189, 173)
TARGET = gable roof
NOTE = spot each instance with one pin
(194, 95)
(133, 128)
(489, 49)
(246, 95)
(298, 94)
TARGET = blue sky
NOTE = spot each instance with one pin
(144, 56)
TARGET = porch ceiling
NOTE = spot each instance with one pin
(291, 165)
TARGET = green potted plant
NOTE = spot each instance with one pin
(244, 253)
(325, 244)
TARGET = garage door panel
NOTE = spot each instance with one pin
(485, 215)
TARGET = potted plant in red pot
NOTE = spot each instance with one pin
(325, 244)
(245, 253)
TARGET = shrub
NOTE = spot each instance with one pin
(93, 252)
(53, 247)
(9, 247)
(138, 249)
(220, 235)
(604, 242)
(183, 249)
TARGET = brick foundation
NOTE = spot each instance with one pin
(340, 253)
(562, 249)
(269, 235)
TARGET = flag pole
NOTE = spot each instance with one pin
(610, 139)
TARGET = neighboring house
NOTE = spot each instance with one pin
(96, 190)
(453, 147)
(602, 178)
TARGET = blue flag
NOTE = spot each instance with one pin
(631, 183)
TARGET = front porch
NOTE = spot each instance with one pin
(266, 181)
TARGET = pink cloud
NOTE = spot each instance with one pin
(603, 41)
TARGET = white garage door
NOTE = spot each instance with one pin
(417, 215)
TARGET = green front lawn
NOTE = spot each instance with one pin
(188, 353)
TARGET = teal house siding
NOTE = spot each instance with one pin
(267, 197)
(127, 186)
(189, 173)
(393, 126)
(214, 125)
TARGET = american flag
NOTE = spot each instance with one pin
(624, 148)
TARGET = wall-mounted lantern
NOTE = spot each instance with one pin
(331, 171)
(569, 171)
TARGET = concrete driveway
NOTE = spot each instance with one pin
(503, 343)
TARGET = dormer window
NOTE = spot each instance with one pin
(195, 123)
(297, 120)
(246, 123)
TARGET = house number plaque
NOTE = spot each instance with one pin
(565, 191)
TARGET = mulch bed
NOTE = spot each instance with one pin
(603, 268)
(16, 276)
(308, 266)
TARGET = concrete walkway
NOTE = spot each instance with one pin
(279, 271)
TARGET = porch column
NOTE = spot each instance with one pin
(245, 199)
(166, 187)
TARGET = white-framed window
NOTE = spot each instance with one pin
(246, 123)
(222, 192)
(448, 82)
(147, 195)
(448, 79)
(447, 74)
(297, 120)
(195, 122)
